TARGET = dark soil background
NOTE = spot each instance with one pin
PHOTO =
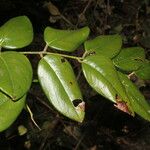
(105, 127)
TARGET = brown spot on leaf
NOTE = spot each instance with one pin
(70, 82)
(82, 106)
(117, 98)
(121, 105)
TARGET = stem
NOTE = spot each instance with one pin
(44, 50)
(31, 116)
(79, 59)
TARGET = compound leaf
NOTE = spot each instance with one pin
(59, 84)
(65, 40)
(15, 74)
(107, 45)
(16, 33)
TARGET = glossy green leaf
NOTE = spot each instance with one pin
(15, 74)
(144, 71)
(139, 104)
(107, 45)
(65, 40)
(59, 84)
(102, 76)
(9, 110)
(130, 59)
(16, 33)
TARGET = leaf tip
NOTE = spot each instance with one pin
(80, 108)
(123, 106)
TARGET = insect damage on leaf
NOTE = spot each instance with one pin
(70, 82)
(121, 105)
(76, 102)
(79, 104)
(91, 53)
(62, 60)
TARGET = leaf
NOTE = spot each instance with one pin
(15, 74)
(139, 104)
(107, 45)
(65, 40)
(100, 73)
(9, 110)
(53, 10)
(144, 71)
(59, 84)
(16, 33)
(130, 59)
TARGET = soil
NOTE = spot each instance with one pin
(104, 127)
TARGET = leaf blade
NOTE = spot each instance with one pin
(65, 40)
(16, 33)
(61, 90)
(9, 110)
(15, 74)
(106, 77)
(144, 71)
(139, 104)
(130, 59)
(107, 45)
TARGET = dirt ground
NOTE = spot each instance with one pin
(104, 127)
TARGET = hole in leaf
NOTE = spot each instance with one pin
(62, 60)
(76, 102)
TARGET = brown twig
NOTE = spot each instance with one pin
(86, 7)
(76, 138)
(79, 142)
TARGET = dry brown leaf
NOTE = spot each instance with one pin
(53, 10)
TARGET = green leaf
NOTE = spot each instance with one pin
(59, 84)
(102, 76)
(130, 59)
(107, 45)
(65, 40)
(15, 74)
(9, 110)
(139, 104)
(16, 33)
(144, 71)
